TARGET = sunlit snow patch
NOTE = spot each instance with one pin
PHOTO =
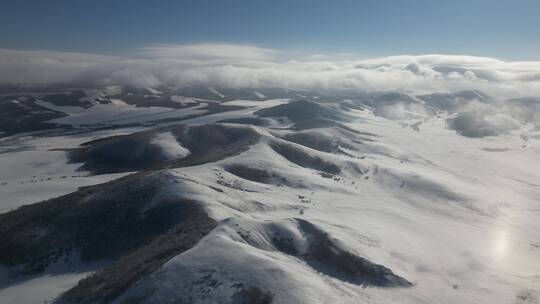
(182, 100)
(216, 92)
(170, 147)
(258, 94)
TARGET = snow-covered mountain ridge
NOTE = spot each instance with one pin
(384, 197)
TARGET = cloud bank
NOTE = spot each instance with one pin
(503, 110)
(241, 66)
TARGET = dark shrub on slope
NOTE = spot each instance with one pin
(99, 222)
(136, 151)
(306, 114)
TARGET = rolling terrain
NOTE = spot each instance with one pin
(214, 195)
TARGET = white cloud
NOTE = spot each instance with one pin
(232, 65)
(209, 51)
(46, 67)
(477, 119)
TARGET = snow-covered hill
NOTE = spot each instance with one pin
(382, 197)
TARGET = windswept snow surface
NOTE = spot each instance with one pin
(315, 214)
(122, 114)
(43, 289)
(35, 169)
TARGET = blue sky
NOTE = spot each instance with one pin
(503, 29)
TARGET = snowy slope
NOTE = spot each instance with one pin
(368, 202)
(459, 223)
(118, 114)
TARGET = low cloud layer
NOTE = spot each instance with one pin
(477, 119)
(238, 66)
